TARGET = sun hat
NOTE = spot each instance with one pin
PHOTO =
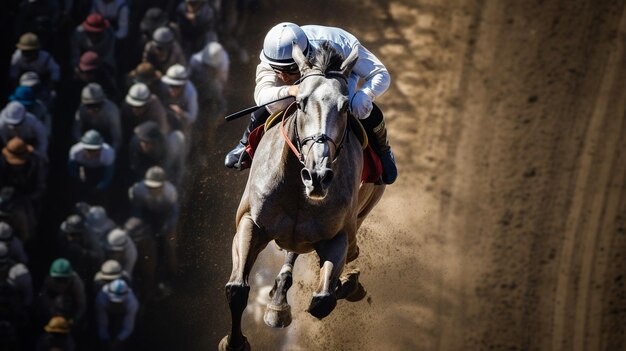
(92, 93)
(92, 140)
(95, 23)
(13, 113)
(57, 324)
(6, 232)
(16, 152)
(116, 290)
(28, 41)
(138, 95)
(163, 36)
(148, 131)
(61, 268)
(110, 270)
(89, 61)
(24, 95)
(154, 18)
(277, 45)
(146, 73)
(155, 177)
(29, 79)
(117, 239)
(176, 75)
(212, 53)
(73, 224)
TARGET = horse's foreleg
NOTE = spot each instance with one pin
(332, 255)
(278, 311)
(247, 244)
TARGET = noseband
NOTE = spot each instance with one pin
(317, 138)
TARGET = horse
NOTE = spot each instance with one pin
(305, 194)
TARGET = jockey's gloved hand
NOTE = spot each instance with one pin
(361, 104)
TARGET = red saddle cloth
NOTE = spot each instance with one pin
(372, 168)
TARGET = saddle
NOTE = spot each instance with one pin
(372, 167)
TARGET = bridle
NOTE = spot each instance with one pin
(316, 138)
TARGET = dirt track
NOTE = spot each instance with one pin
(505, 230)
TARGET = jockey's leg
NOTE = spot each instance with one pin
(278, 312)
(376, 130)
(257, 118)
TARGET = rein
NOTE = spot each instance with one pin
(318, 138)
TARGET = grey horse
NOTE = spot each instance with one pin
(304, 191)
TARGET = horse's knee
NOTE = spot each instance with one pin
(237, 296)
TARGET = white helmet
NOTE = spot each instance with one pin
(277, 45)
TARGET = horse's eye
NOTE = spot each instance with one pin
(301, 103)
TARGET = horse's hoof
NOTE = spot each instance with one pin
(224, 346)
(322, 305)
(277, 316)
(358, 294)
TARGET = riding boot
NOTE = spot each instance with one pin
(376, 130)
(237, 155)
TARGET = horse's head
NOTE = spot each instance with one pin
(321, 122)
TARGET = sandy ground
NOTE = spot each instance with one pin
(505, 230)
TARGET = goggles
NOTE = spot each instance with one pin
(292, 69)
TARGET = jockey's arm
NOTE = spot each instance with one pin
(269, 87)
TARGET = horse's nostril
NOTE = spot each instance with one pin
(306, 176)
(328, 177)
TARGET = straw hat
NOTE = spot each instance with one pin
(16, 152)
(28, 41)
(155, 177)
(138, 95)
(117, 239)
(176, 75)
(57, 324)
(110, 270)
(92, 93)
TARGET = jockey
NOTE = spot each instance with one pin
(277, 74)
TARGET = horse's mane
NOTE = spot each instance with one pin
(326, 58)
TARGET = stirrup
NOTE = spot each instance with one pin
(244, 161)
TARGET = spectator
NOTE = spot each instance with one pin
(57, 336)
(145, 73)
(26, 96)
(180, 99)
(163, 50)
(116, 309)
(91, 69)
(197, 22)
(29, 57)
(13, 243)
(91, 167)
(149, 147)
(80, 246)
(155, 201)
(141, 106)
(25, 172)
(63, 294)
(98, 222)
(15, 121)
(116, 14)
(16, 289)
(153, 19)
(42, 92)
(94, 34)
(121, 248)
(109, 271)
(209, 73)
(145, 269)
(98, 113)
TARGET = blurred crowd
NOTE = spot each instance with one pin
(105, 100)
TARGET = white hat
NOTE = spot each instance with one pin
(155, 177)
(29, 79)
(116, 290)
(13, 113)
(176, 75)
(212, 53)
(92, 94)
(116, 240)
(277, 46)
(110, 270)
(138, 95)
(92, 140)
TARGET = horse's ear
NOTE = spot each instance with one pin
(298, 56)
(350, 61)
